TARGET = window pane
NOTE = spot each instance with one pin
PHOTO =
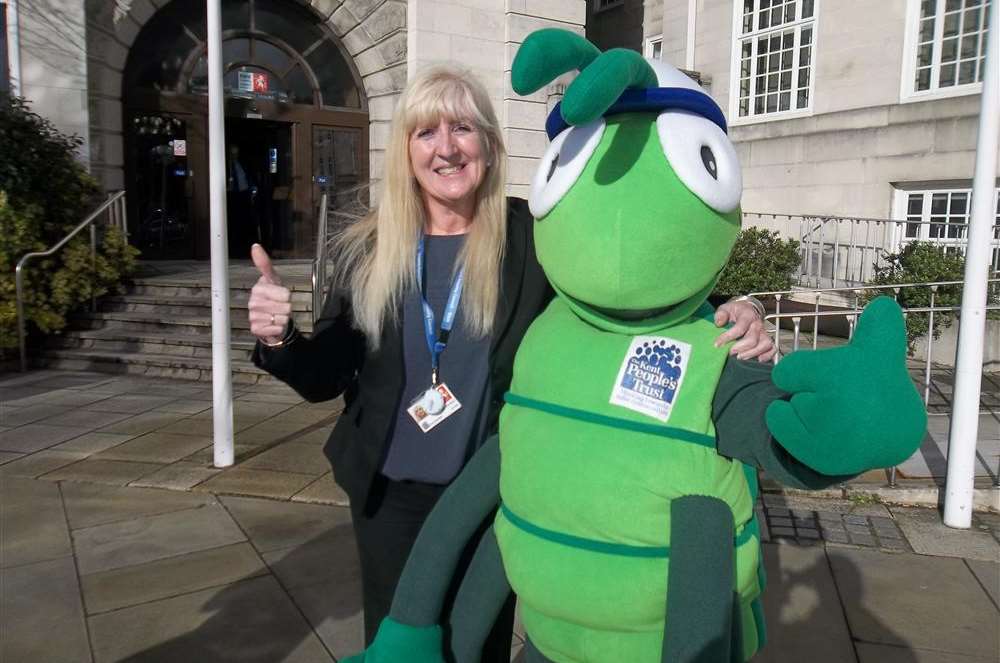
(803, 77)
(915, 204)
(953, 5)
(939, 204)
(744, 107)
(788, 40)
(805, 53)
(772, 83)
(807, 8)
(951, 24)
(786, 80)
(927, 29)
(772, 103)
(949, 50)
(947, 76)
(299, 88)
(235, 50)
(970, 46)
(970, 23)
(235, 15)
(925, 54)
(923, 79)
(959, 202)
(967, 72)
(807, 34)
(758, 105)
(336, 84)
(270, 56)
(785, 101)
(928, 8)
(803, 100)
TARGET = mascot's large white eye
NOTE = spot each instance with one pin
(562, 164)
(703, 157)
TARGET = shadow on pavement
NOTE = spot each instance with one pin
(814, 611)
(254, 621)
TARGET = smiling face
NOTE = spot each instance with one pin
(449, 162)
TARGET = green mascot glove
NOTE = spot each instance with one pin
(395, 643)
(853, 408)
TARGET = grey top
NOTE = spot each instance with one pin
(439, 454)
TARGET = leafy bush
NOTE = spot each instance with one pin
(45, 193)
(760, 262)
(922, 262)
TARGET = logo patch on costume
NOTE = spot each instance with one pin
(651, 375)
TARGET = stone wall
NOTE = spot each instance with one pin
(523, 118)
(54, 64)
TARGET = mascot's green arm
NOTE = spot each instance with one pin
(745, 391)
(459, 513)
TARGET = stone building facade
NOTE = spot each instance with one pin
(82, 63)
(847, 108)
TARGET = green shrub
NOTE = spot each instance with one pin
(922, 262)
(45, 193)
(760, 262)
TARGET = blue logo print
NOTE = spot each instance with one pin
(654, 370)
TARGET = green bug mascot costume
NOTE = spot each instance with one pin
(626, 467)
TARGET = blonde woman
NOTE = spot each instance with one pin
(434, 290)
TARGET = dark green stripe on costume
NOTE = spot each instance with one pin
(613, 422)
(749, 532)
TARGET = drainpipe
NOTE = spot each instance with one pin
(13, 48)
(692, 26)
(222, 379)
(972, 324)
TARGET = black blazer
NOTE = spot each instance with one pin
(335, 360)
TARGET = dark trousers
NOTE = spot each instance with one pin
(385, 532)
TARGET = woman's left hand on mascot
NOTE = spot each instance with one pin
(752, 338)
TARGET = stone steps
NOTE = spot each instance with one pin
(163, 327)
(150, 365)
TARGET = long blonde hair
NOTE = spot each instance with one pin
(375, 255)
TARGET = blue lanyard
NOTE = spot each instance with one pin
(437, 342)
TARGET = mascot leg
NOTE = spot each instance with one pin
(700, 597)
(480, 599)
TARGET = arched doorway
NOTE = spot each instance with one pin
(296, 127)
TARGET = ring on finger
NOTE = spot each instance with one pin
(272, 319)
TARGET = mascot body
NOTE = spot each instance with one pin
(625, 474)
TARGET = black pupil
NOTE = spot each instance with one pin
(552, 168)
(708, 158)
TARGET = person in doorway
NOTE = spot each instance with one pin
(434, 290)
(239, 205)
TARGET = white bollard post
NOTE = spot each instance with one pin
(222, 379)
(971, 335)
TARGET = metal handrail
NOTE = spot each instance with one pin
(319, 263)
(115, 202)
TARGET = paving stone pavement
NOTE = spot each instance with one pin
(120, 542)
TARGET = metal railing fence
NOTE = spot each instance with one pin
(854, 296)
(842, 252)
(116, 217)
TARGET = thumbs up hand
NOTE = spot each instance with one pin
(854, 407)
(270, 305)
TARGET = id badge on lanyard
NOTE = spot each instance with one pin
(437, 402)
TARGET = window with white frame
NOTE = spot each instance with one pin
(775, 56)
(941, 216)
(949, 45)
(654, 47)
